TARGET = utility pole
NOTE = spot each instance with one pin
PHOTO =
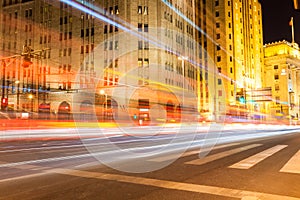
(3, 100)
(26, 54)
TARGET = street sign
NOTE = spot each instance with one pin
(259, 95)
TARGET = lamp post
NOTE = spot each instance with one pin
(17, 82)
(3, 84)
(102, 92)
(30, 97)
(183, 58)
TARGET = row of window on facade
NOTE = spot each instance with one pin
(111, 10)
(62, 69)
(27, 14)
(65, 35)
(110, 81)
(65, 20)
(88, 48)
(143, 45)
(110, 29)
(88, 32)
(65, 52)
(111, 45)
(143, 10)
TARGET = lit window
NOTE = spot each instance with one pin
(140, 9)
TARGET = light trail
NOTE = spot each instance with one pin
(116, 154)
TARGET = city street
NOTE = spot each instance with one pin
(240, 162)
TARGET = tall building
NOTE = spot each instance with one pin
(236, 46)
(99, 46)
(188, 55)
(282, 75)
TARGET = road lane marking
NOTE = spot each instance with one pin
(253, 160)
(293, 165)
(165, 184)
(188, 153)
(217, 156)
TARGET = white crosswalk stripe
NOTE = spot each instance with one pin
(253, 160)
(188, 153)
(293, 165)
(217, 156)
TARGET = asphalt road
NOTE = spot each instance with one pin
(239, 165)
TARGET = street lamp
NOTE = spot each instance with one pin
(3, 84)
(102, 92)
(30, 97)
(17, 82)
(183, 58)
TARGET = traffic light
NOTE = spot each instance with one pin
(26, 61)
(242, 99)
(240, 96)
(4, 102)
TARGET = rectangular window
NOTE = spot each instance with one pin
(140, 10)
(146, 45)
(220, 93)
(116, 45)
(140, 45)
(140, 62)
(105, 46)
(276, 76)
(275, 66)
(146, 10)
(117, 10)
(140, 27)
(111, 45)
(146, 27)
(219, 81)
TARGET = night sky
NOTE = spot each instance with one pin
(276, 17)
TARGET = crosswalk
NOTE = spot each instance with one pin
(291, 166)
